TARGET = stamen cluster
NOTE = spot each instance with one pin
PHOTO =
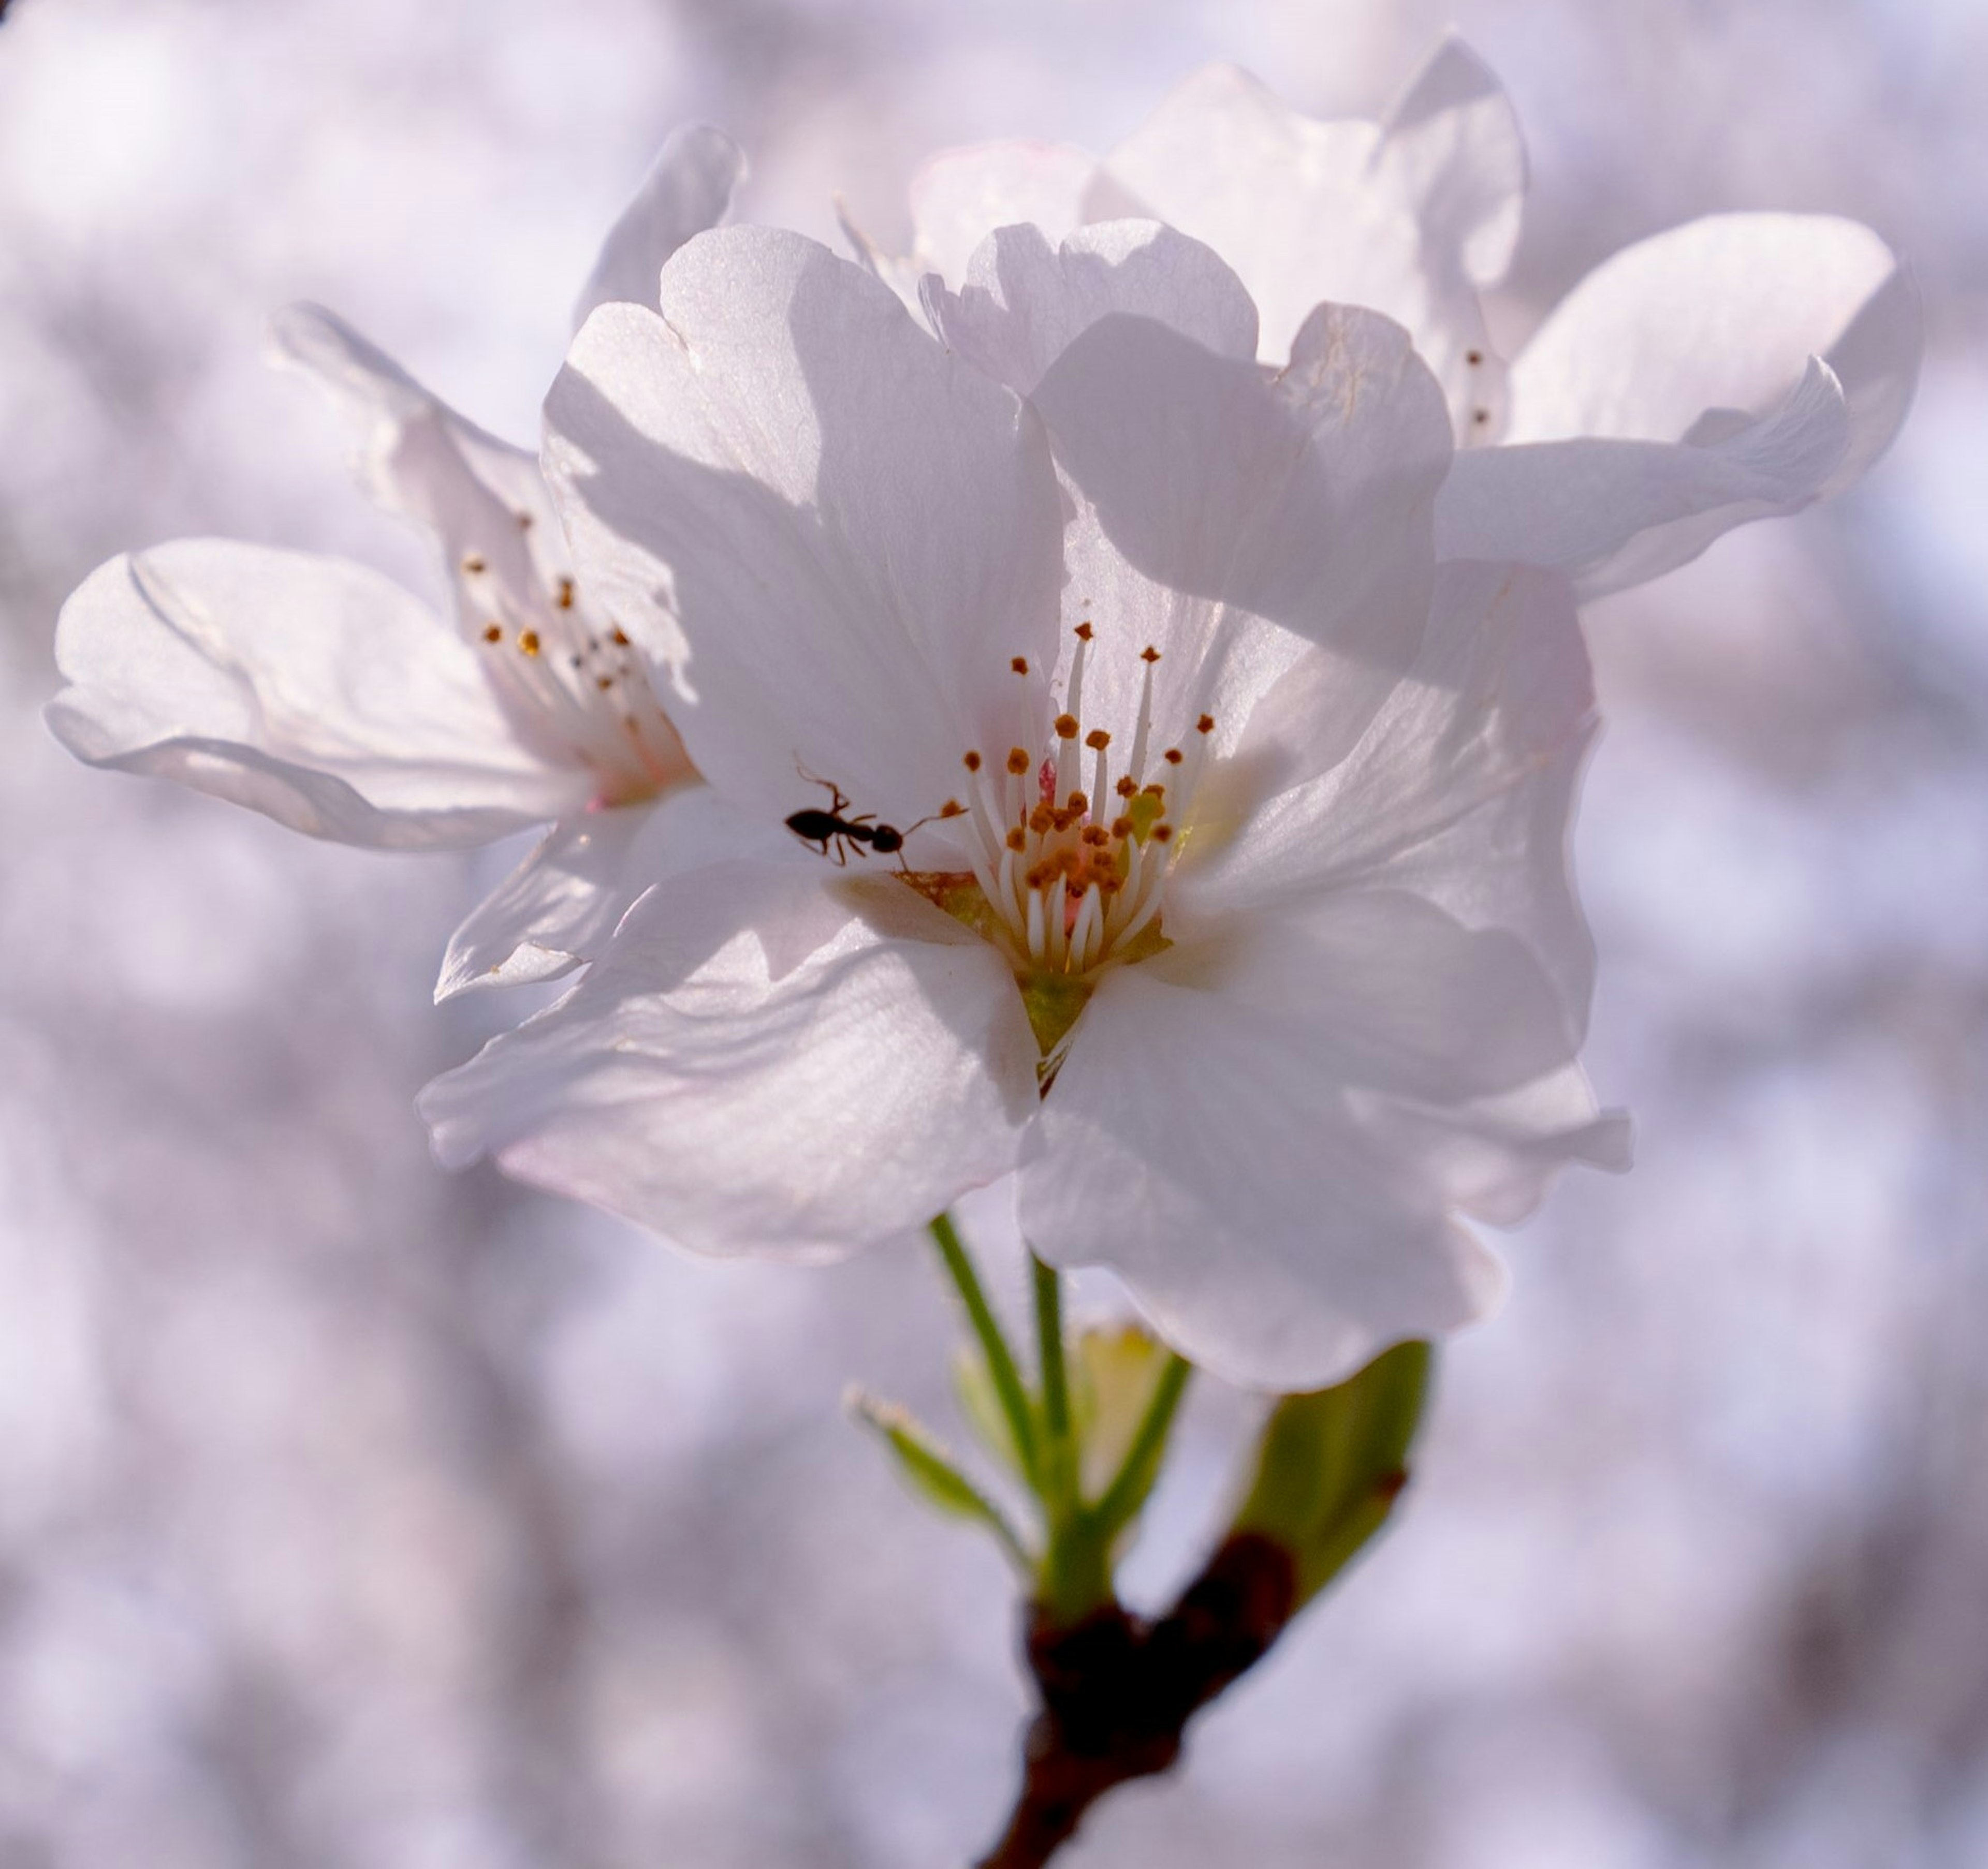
(574, 676)
(1075, 875)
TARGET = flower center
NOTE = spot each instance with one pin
(569, 679)
(1071, 839)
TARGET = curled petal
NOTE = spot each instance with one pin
(561, 905)
(311, 690)
(1496, 1156)
(762, 1063)
(1721, 315)
(1612, 513)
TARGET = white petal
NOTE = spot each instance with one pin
(1611, 513)
(558, 908)
(1385, 992)
(836, 533)
(962, 195)
(1024, 302)
(689, 187)
(1461, 790)
(484, 499)
(1722, 314)
(1453, 139)
(1212, 1164)
(762, 1063)
(1451, 147)
(313, 690)
(1496, 1157)
(1406, 218)
(1236, 523)
(901, 276)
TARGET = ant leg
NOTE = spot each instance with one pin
(834, 791)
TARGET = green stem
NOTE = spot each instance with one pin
(1134, 1479)
(1049, 1349)
(1001, 1367)
(1076, 1575)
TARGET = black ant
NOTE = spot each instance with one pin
(824, 828)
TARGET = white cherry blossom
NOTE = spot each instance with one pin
(1674, 394)
(322, 694)
(1231, 910)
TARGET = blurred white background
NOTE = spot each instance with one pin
(351, 1514)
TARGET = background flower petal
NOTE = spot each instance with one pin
(1406, 218)
(1023, 301)
(689, 188)
(962, 195)
(313, 690)
(484, 499)
(1612, 513)
(1722, 314)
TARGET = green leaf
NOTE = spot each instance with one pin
(931, 1473)
(1331, 1464)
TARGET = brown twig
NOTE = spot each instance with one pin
(1117, 1691)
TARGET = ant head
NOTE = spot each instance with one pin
(887, 840)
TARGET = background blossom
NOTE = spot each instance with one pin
(1678, 383)
(359, 1514)
(320, 693)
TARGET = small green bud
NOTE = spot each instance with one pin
(1331, 1464)
(1114, 1373)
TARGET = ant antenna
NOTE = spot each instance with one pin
(949, 809)
(828, 784)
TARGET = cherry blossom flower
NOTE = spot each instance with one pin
(1227, 902)
(320, 693)
(1669, 397)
